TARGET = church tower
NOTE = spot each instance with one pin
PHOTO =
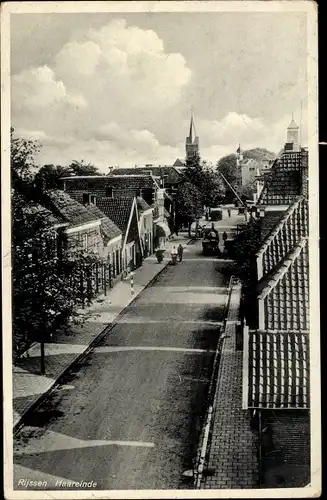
(192, 141)
(292, 141)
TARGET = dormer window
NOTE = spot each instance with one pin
(109, 192)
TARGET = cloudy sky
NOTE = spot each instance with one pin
(117, 89)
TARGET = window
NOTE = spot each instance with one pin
(109, 192)
(86, 198)
(85, 241)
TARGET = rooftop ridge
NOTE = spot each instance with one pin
(280, 224)
(279, 272)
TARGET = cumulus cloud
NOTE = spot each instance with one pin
(117, 95)
(110, 86)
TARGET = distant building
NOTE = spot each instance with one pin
(192, 141)
(292, 140)
(249, 171)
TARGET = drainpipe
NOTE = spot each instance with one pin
(260, 448)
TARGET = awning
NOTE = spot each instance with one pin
(162, 229)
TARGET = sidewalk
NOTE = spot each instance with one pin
(65, 348)
(233, 452)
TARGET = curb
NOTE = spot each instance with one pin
(79, 357)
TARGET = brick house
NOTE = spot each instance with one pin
(126, 187)
(276, 353)
(112, 241)
(167, 175)
(88, 229)
(83, 227)
(112, 186)
(123, 212)
(145, 215)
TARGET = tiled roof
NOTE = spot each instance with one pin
(284, 182)
(142, 204)
(278, 370)
(137, 181)
(108, 227)
(172, 174)
(292, 227)
(269, 222)
(117, 209)
(285, 292)
(69, 209)
(31, 208)
(178, 163)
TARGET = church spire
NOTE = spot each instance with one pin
(192, 141)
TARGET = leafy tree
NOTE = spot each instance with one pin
(228, 167)
(83, 168)
(49, 176)
(244, 248)
(189, 204)
(22, 156)
(259, 154)
(48, 282)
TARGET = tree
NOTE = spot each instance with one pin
(188, 203)
(22, 157)
(49, 176)
(83, 168)
(259, 154)
(228, 167)
(48, 283)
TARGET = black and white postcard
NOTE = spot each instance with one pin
(160, 249)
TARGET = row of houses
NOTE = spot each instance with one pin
(276, 344)
(122, 218)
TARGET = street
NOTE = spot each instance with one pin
(129, 415)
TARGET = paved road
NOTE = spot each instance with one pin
(129, 415)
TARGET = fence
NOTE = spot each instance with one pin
(94, 279)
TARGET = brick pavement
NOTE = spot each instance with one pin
(65, 347)
(233, 447)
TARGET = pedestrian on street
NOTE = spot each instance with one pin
(173, 254)
(229, 212)
(180, 251)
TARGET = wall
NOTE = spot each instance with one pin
(286, 448)
(94, 240)
(121, 189)
(146, 233)
(249, 172)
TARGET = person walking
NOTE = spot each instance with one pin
(229, 212)
(173, 254)
(180, 251)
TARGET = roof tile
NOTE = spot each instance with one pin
(69, 209)
(278, 370)
(117, 209)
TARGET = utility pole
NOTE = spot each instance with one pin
(231, 187)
